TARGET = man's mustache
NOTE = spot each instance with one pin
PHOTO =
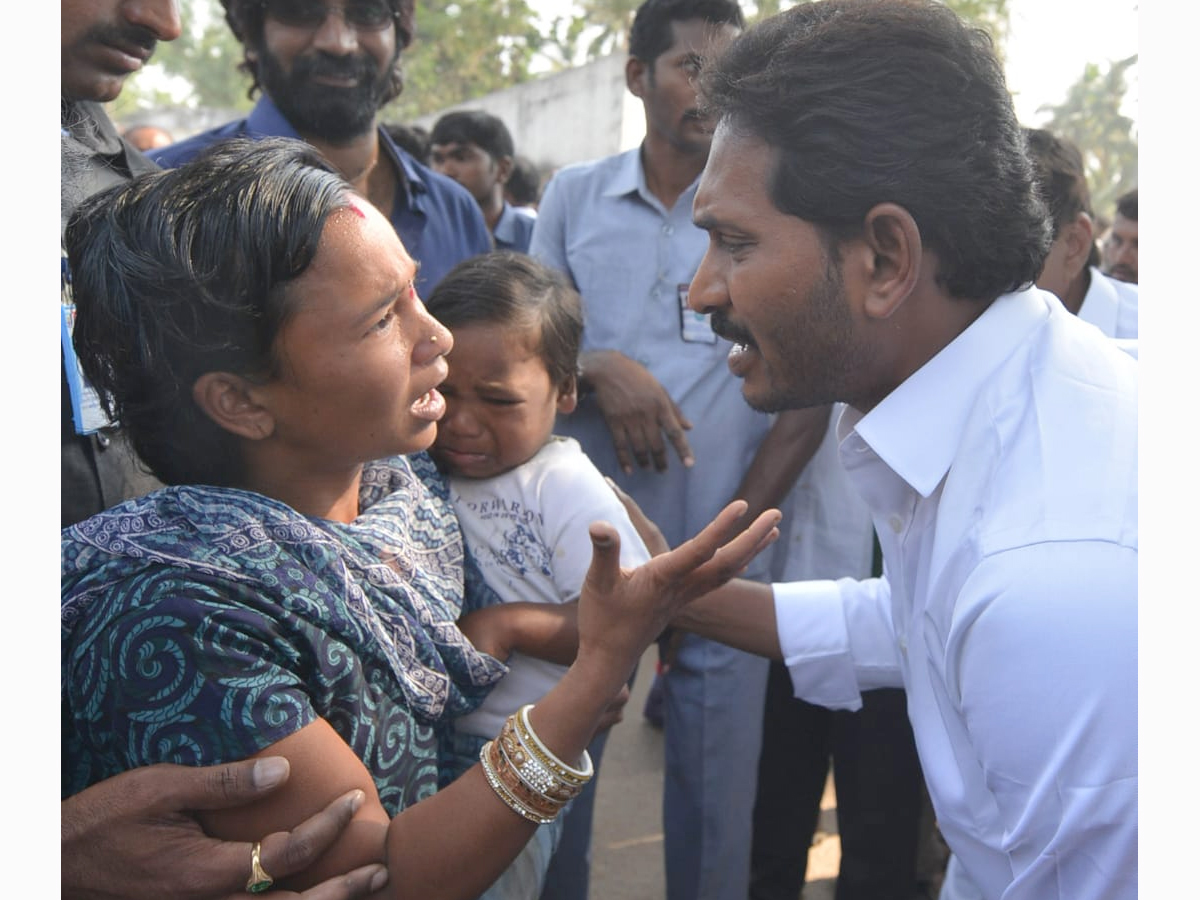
(728, 330)
(360, 66)
(125, 37)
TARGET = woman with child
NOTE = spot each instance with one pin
(297, 589)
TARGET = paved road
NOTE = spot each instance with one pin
(627, 859)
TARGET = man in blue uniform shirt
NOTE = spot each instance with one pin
(621, 229)
(324, 72)
(475, 148)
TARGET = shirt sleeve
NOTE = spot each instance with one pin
(1051, 734)
(182, 672)
(549, 241)
(837, 639)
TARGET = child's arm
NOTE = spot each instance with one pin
(542, 630)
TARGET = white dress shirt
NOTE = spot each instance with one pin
(1111, 305)
(1002, 479)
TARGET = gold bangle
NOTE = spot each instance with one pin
(540, 803)
(505, 795)
(534, 745)
(530, 769)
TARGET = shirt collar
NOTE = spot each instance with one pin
(266, 120)
(1100, 303)
(629, 177)
(917, 428)
(405, 162)
(506, 225)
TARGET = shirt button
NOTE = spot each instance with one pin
(903, 645)
(897, 524)
(668, 230)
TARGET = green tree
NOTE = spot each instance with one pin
(1091, 116)
(991, 15)
(606, 23)
(201, 65)
(464, 50)
(461, 50)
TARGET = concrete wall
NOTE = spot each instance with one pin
(565, 117)
(570, 116)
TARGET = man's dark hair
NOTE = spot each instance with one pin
(412, 138)
(524, 185)
(245, 18)
(512, 289)
(651, 33)
(1058, 175)
(1060, 180)
(1127, 205)
(474, 126)
(868, 102)
(186, 271)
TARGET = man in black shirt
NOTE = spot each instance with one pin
(102, 44)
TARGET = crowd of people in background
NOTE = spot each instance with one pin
(840, 353)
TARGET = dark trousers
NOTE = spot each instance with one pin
(880, 795)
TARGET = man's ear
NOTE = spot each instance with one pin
(229, 400)
(636, 74)
(1080, 235)
(568, 395)
(504, 169)
(890, 235)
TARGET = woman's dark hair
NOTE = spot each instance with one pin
(867, 102)
(184, 272)
(514, 290)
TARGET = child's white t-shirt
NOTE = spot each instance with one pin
(528, 532)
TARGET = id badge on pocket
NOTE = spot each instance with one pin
(86, 411)
(694, 327)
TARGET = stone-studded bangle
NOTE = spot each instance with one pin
(532, 772)
(529, 739)
(506, 794)
(542, 804)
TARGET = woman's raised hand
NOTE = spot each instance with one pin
(622, 610)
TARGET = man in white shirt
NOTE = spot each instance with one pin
(874, 232)
(1071, 269)
(1119, 252)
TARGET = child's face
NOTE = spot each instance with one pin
(500, 402)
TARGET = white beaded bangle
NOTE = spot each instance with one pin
(540, 751)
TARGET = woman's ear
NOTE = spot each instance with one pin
(568, 395)
(228, 400)
(892, 237)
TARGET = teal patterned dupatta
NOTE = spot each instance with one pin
(203, 624)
